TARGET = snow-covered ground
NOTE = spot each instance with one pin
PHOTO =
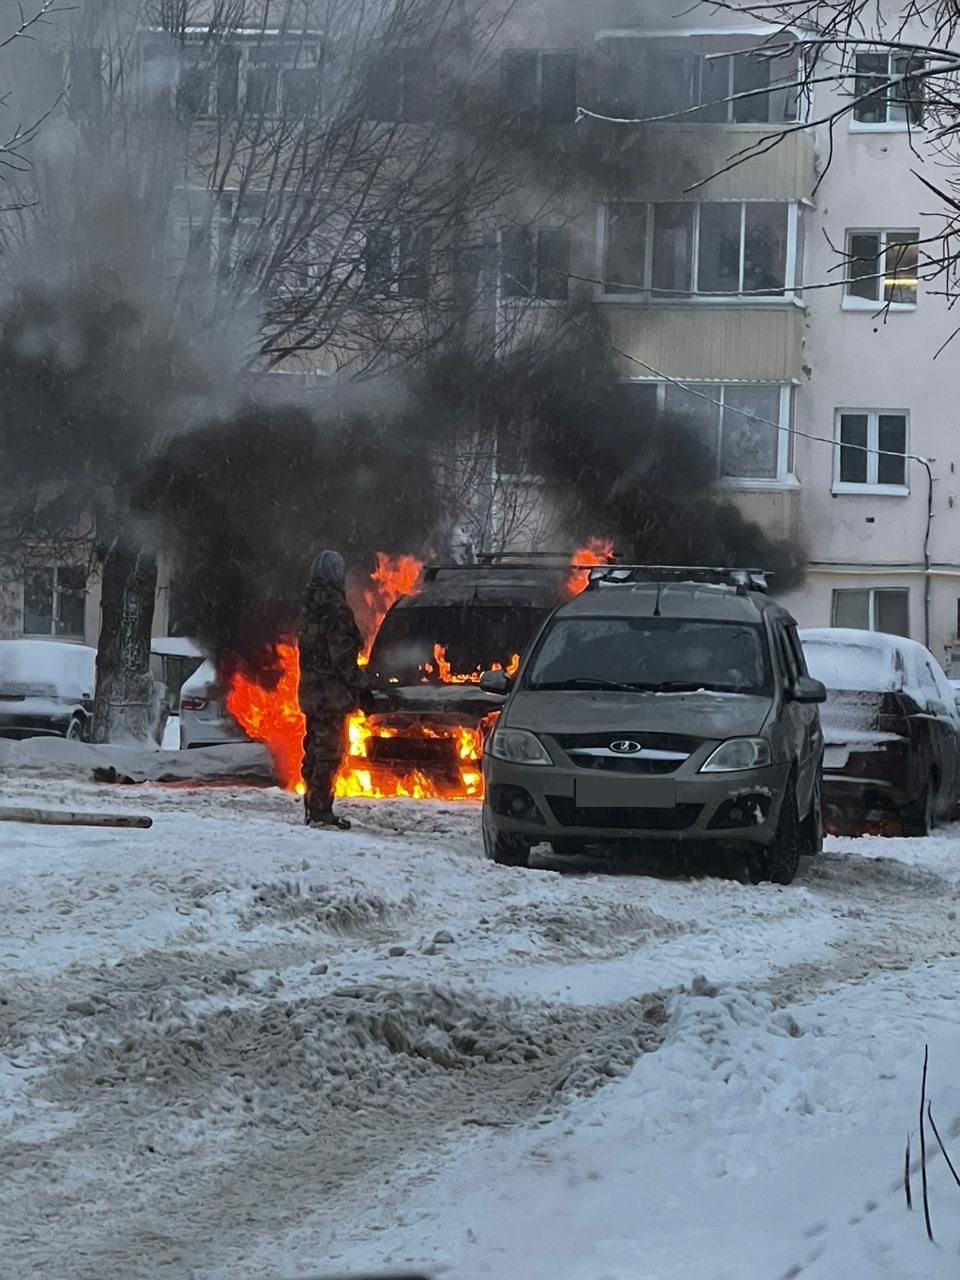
(233, 1047)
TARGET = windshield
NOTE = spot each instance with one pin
(470, 637)
(651, 653)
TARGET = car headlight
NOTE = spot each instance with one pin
(738, 753)
(519, 746)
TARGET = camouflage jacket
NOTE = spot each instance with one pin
(330, 641)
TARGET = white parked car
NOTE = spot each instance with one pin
(46, 688)
(204, 719)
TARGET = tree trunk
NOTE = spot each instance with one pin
(126, 707)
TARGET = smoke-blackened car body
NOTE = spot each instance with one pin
(427, 660)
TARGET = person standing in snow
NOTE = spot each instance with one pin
(331, 684)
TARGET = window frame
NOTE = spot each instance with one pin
(884, 126)
(401, 62)
(871, 486)
(306, 52)
(405, 244)
(535, 239)
(646, 294)
(56, 593)
(872, 593)
(692, 115)
(536, 110)
(785, 478)
(850, 302)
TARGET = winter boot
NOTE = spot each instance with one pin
(327, 818)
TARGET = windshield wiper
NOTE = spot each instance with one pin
(695, 686)
(587, 682)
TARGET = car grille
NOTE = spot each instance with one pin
(679, 818)
(661, 753)
(414, 752)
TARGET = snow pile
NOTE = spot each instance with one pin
(57, 758)
(303, 905)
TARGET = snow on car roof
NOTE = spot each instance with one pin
(55, 664)
(869, 661)
(176, 647)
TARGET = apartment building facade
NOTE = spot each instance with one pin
(759, 290)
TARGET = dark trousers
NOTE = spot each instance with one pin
(324, 746)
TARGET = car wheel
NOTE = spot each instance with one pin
(74, 731)
(780, 860)
(918, 818)
(812, 834)
(505, 847)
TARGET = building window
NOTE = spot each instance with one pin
(397, 260)
(539, 86)
(871, 449)
(402, 87)
(720, 250)
(886, 92)
(882, 267)
(535, 263)
(650, 78)
(876, 609)
(53, 600)
(268, 78)
(85, 94)
(745, 427)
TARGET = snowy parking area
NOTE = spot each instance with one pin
(233, 1047)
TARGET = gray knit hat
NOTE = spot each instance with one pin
(330, 567)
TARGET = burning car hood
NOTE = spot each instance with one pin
(466, 699)
(701, 715)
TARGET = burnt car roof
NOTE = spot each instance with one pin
(701, 600)
(489, 585)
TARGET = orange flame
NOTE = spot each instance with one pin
(448, 676)
(273, 717)
(597, 551)
(394, 576)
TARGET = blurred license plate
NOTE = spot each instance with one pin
(616, 793)
(835, 757)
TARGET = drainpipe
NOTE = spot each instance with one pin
(925, 463)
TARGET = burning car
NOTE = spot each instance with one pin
(425, 667)
(432, 632)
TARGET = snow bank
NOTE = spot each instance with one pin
(56, 757)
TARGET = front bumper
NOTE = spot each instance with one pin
(547, 804)
(26, 726)
(867, 781)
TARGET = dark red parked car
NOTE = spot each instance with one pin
(891, 730)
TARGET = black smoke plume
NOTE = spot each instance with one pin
(612, 467)
(244, 504)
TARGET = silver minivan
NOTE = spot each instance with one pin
(673, 710)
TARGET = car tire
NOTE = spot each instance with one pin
(75, 730)
(919, 818)
(812, 832)
(506, 848)
(780, 860)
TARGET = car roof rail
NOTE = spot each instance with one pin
(743, 579)
(535, 562)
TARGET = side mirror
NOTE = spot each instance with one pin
(497, 682)
(807, 689)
